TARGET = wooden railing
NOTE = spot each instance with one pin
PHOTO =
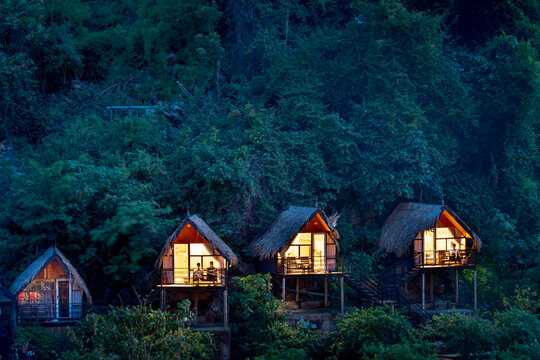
(48, 312)
(193, 277)
(308, 265)
(445, 258)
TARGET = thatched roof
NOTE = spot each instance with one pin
(5, 295)
(408, 219)
(35, 268)
(284, 229)
(202, 228)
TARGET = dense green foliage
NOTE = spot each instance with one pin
(376, 333)
(357, 105)
(42, 342)
(510, 334)
(140, 333)
(259, 331)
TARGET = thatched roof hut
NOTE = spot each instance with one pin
(209, 235)
(34, 269)
(408, 219)
(286, 227)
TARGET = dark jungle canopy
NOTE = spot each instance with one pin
(354, 105)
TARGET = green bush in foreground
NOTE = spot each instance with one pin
(509, 334)
(376, 333)
(138, 333)
(40, 340)
(283, 342)
(259, 330)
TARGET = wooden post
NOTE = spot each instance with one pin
(163, 298)
(196, 305)
(284, 293)
(423, 291)
(457, 287)
(342, 305)
(325, 291)
(431, 287)
(475, 299)
(297, 289)
(225, 310)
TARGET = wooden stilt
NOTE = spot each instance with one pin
(163, 299)
(475, 299)
(457, 287)
(297, 289)
(342, 305)
(225, 310)
(196, 305)
(283, 294)
(325, 292)
(431, 287)
(423, 291)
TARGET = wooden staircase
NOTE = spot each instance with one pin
(147, 289)
(387, 288)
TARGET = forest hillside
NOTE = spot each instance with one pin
(351, 105)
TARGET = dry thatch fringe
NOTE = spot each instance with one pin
(34, 269)
(408, 219)
(202, 228)
(286, 227)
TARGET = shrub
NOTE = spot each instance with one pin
(509, 334)
(253, 312)
(375, 333)
(40, 340)
(284, 342)
(467, 335)
(518, 333)
(138, 333)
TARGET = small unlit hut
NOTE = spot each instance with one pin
(50, 289)
(433, 237)
(300, 245)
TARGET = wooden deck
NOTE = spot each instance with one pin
(200, 284)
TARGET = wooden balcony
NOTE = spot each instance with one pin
(192, 278)
(315, 265)
(51, 312)
(445, 258)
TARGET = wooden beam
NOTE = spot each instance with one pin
(297, 289)
(423, 291)
(163, 298)
(225, 310)
(431, 287)
(475, 299)
(457, 287)
(283, 293)
(325, 291)
(196, 305)
(342, 305)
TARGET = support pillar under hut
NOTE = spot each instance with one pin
(457, 287)
(423, 291)
(283, 295)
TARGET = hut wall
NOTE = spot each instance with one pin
(269, 265)
(316, 225)
(189, 235)
(7, 319)
(53, 271)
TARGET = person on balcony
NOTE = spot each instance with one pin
(211, 272)
(454, 253)
(198, 273)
